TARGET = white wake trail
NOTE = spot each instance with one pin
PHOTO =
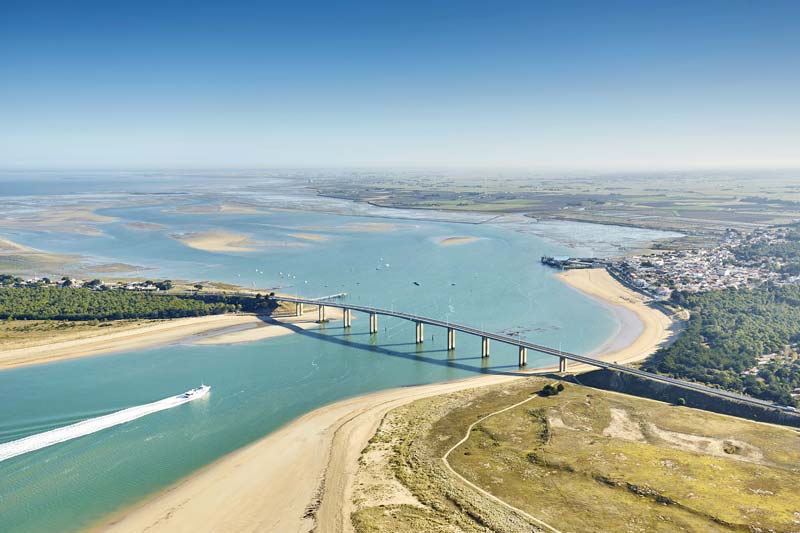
(86, 427)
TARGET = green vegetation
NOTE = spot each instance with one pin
(54, 303)
(552, 390)
(728, 331)
(582, 461)
(783, 257)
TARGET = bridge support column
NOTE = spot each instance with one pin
(298, 309)
(451, 339)
(373, 323)
(420, 334)
(347, 317)
(484, 346)
(321, 313)
(562, 364)
(523, 356)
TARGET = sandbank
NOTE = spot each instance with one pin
(456, 241)
(310, 236)
(82, 220)
(218, 241)
(368, 227)
(267, 328)
(230, 208)
(144, 226)
(301, 476)
(16, 258)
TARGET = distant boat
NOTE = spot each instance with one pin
(196, 393)
(416, 283)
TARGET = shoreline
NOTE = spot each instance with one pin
(203, 330)
(299, 488)
(653, 330)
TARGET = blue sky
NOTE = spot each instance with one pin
(574, 85)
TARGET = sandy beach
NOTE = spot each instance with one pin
(301, 476)
(652, 330)
(212, 329)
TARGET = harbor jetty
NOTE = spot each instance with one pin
(572, 263)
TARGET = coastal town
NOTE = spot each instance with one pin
(730, 264)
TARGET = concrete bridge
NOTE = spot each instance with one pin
(486, 337)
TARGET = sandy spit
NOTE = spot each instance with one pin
(302, 475)
(268, 328)
(134, 338)
(212, 329)
(456, 241)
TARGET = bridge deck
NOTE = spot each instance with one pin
(506, 339)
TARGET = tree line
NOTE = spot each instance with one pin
(727, 331)
(53, 303)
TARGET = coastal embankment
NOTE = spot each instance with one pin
(302, 475)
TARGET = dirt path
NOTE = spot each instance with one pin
(489, 495)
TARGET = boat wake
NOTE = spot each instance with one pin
(93, 425)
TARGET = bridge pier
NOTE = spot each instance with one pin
(484, 346)
(420, 334)
(321, 313)
(523, 356)
(298, 309)
(562, 364)
(373, 322)
(451, 339)
(347, 317)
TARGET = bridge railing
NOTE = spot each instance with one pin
(562, 355)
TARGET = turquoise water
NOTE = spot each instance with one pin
(495, 283)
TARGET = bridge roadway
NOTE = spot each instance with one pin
(506, 339)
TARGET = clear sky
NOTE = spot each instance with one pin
(641, 84)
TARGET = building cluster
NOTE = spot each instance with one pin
(94, 284)
(703, 269)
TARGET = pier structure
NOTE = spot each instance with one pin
(484, 346)
(564, 358)
(451, 339)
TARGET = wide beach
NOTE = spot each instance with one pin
(203, 330)
(302, 474)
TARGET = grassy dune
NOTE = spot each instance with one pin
(585, 460)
